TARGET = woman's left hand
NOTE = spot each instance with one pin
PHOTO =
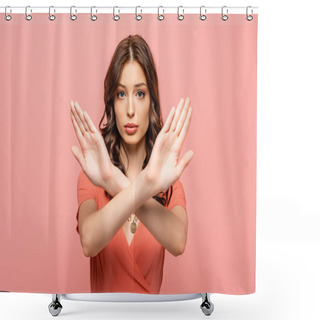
(163, 168)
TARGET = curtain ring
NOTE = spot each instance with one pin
(138, 16)
(8, 17)
(115, 16)
(203, 16)
(160, 16)
(224, 17)
(249, 17)
(180, 16)
(73, 16)
(51, 16)
(93, 16)
(28, 16)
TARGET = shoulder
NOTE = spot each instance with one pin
(178, 196)
(177, 186)
(85, 187)
(84, 180)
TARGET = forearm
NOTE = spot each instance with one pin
(166, 228)
(101, 226)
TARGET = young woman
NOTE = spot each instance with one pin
(130, 174)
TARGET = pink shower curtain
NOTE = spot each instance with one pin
(45, 64)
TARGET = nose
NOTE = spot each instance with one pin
(130, 108)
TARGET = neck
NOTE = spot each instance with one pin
(136, 154)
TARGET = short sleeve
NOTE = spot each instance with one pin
(85, 190)
(178, 197)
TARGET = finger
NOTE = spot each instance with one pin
(81, 116)
(77, 112)
(77, 119)
(185, 127)
(184, 162)
(183, 116)
(90, 124)
(77, 131)
(78, 155)
(168, 122)
(177, 115)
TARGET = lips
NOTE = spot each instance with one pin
(131, 128)
(130, 125)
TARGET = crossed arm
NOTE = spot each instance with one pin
(97, 227)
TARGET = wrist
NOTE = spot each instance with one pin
(116, 182)
(123, 182)
(149, 183)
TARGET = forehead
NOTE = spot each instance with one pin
(132, 73)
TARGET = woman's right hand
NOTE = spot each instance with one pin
(94, 158)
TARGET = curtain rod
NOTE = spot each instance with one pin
(127, 9)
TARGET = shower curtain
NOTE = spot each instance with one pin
(190, 123)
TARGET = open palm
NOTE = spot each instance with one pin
(94, 158)
(163, 168)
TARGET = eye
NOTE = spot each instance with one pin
(120, 92)
(141, 92)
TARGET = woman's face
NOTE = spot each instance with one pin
(131, 104)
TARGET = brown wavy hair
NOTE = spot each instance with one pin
(132, 48)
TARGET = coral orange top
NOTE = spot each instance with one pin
(118, 267)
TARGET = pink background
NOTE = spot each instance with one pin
(46, 64)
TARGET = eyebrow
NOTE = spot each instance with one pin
(136, 85)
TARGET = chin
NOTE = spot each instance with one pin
(131, 140)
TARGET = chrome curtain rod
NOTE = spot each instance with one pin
(127, 9)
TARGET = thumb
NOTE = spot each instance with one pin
(184, 161)
(77, 154)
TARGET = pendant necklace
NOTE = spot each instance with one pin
(133, 225)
